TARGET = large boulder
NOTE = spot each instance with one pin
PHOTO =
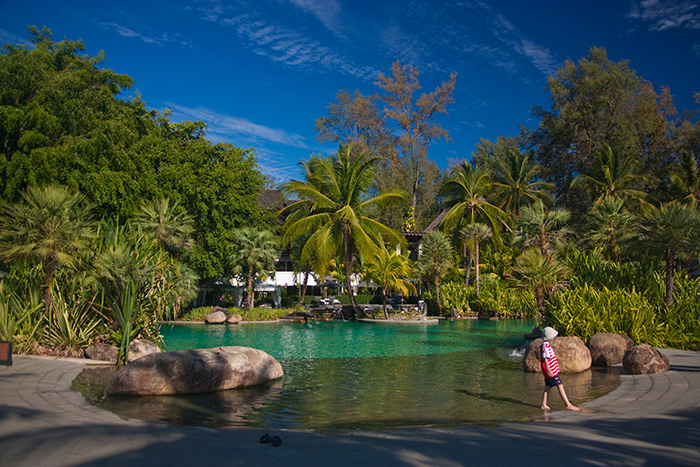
(572, 354)
(607, 349)
(195, 371)
(644, 359)
(140, 348)
(217, 317)
(234, 318)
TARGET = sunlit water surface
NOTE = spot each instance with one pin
(347, 375)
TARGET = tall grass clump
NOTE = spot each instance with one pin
(587, 310)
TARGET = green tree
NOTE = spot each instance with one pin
(391, 272)
(52, 225)
(466, 192)
(612, 177)
(671, 232)
(542, 274)
(255, 252)
(598, 103)
(415, 119)
(165, 223)
(331, 206)
(543, 228)
(476, 233)
(610, 227)
(435, 259)
(686, 179)
(516, 184)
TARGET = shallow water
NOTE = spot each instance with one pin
(365, 375)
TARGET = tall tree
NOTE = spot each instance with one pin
(671, 232)
(543, 228)
(52, 225)
(254, 253)
(476, 233)
(610, 227)
(332, 206)
(435, 259)
(516, 182)
(416, 119)
(595, 103)
(466, 192)
(612, 177)
(686, 179)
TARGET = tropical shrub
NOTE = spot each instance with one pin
(454, 295)
(587, 310)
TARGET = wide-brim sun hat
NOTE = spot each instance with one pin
(549, 333)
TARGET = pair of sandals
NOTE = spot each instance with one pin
(274, 440)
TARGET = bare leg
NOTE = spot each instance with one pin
(544, 398)
(569, 405)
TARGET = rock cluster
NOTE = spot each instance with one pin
(109, 353)
(195, 371)
(221, 315)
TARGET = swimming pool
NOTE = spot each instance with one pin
(349, 375)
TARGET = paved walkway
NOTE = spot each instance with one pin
(648, 420)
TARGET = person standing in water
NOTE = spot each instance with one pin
(550, 369)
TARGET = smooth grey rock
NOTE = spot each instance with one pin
(195, 371)
(234, 318)
(218, 317)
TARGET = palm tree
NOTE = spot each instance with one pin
(51, 225)
(255, 251)
(671, 232)
(466, 192)
(516, 182)
(543, 228)
(543, 275)
(612, 177)
(687, 180)
(610, 226)
(391, 271)
(435, 259)
(332, 207)
(164, 222)
(301, 265)
(476, 233)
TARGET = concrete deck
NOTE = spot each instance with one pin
(648, 420)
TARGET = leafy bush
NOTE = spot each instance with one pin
(455, 295)
(196, 314)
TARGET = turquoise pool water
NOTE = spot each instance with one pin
(347, 375)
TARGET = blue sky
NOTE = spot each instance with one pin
(259, 72)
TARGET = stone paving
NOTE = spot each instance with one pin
(648, 420)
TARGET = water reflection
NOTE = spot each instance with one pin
(442, 376)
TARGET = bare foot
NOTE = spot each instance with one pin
(573, 408)
(545, 407)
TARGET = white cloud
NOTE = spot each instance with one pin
(327, 11)
(226, 127)
(127, 32)
(667, 14)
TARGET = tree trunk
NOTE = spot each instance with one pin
(468, 275)
(48, 268)
(476, 269)
(670, 263)
(437, 292)
(249, 298)
(303, 289)
(539, 297)
(347, 254)
(386, 312)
